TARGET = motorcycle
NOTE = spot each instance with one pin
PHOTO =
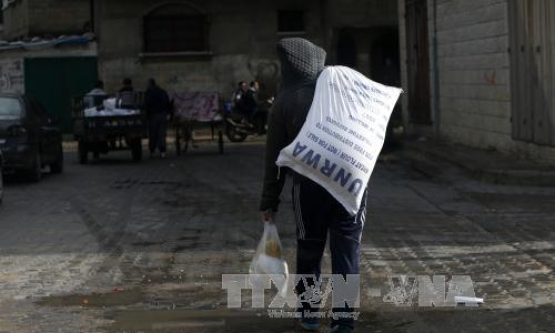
(238, 127)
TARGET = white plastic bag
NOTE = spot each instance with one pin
(343, 134)
(268, 258)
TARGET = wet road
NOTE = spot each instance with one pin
(122, 247)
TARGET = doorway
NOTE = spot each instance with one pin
(418, 62)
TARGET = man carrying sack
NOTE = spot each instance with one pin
(327, 128)
(316, 211)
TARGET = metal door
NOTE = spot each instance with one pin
(54, 81)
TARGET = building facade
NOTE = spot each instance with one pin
(199, 45)
(480, 73)
(211, 45)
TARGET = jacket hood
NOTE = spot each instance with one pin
(301, 60)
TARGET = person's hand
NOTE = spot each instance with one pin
(268, 216)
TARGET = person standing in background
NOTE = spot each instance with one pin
(158, 107)
(96, 96)
(126, 95)
(250, 101)
(237, 99)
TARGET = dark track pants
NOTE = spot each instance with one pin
(157, 132)
(318, 214)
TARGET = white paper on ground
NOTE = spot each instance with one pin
(466, 299)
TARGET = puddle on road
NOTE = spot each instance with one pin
(192, 316)
(228, 321)
(112, 299)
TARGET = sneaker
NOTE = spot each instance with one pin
(341, 329)
(310, 324)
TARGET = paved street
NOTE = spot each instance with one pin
(116, 246)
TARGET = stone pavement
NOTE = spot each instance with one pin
(486, 165)
(122, 247)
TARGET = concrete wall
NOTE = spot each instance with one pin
(58, 17)
(362, 13)
(364, 20)
(474, 75)
(11, 73)
(45, 18)
(242, 38)
(16, 20)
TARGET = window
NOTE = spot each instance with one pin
(175, 28)
(291, 21)
(10, 108)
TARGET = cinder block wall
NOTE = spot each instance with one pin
(474, 75)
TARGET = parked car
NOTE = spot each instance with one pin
(29, 138)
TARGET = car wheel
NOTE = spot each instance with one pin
(35, 174)
(83, 153)
(137, 150)
(58, 166)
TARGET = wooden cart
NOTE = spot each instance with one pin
(195, 111)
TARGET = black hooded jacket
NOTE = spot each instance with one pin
(301, 64)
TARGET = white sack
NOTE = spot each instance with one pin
(94, 112)
(343, 134)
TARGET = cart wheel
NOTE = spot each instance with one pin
(187, 137)
(83, 153)
(186, 147)
(233, 135)
(137, 150)
(221, 142)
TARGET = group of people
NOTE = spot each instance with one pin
(245, 99)
(156, 103)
